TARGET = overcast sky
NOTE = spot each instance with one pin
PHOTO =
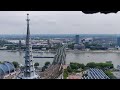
(59, 22)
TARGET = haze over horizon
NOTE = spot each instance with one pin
(59, 22)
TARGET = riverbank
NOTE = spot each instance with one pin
(82, 51)
(95, 51)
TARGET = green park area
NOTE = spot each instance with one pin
(78, 67)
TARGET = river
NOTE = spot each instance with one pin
(80, 57)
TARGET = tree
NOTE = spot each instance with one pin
(104, 65)
(110, 74)
(22, 68)
(16, 64)
(81, 66)
(0, 62)
(71, 46)
(36, 64)
(45, 66)
(74, 66)
(69, 69)
(65, 74)
(91, 65)
(47, 63)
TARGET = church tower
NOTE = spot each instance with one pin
(29, 71)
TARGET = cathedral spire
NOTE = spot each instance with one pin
(29, 66)
(28, 30)
(29, 71)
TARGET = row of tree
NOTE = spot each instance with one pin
(17, 65)
(75, 67)
(100, 65)
(46, 65)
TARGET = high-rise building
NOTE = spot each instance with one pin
(77, 39)
(48, 41)
(118, 41)
(19, 45)
(29, 71)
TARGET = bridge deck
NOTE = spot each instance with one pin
(52, 72)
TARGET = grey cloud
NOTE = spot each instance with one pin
(59, 22)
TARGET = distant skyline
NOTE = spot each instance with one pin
(59, 22)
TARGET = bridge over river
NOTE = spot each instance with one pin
(55, 70)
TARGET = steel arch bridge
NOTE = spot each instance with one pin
(55, 71)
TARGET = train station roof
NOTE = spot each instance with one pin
(6, 68)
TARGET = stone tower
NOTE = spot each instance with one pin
(29, 71)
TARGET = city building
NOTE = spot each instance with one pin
(87, 40)
(118, 41)
(118, 67)
(80, 46)
(77, 39)
(48, 41)
(3, 48)
(29, 71)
